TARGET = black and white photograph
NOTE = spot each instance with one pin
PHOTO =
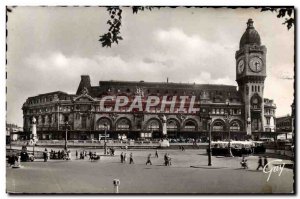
(150, 100)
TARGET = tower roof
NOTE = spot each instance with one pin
(250, 36)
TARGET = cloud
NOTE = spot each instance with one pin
(182, 58)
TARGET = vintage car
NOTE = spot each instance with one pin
(258, 147)
(238, 148)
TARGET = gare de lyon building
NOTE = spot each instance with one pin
(241, 109)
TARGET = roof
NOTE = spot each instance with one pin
(250, 36)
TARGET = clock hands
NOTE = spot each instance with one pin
(257, 64)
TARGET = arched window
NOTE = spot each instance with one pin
(103, 123)
(172, 125)
(218, 126)
(255, 102)
(190, 125)
(123, 124)
(153, 125)
(235, 126)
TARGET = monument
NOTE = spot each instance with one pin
(165, 142)
(34, 138)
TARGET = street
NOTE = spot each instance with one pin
(188, 173)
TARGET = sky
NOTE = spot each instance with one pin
(49, 48)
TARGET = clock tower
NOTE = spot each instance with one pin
(250, 76)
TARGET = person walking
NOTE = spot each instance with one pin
(58, 154)
(156, 153)
(259, 163)
(266, 162)
(45, 154)
(166, 159)
(149, 159)
(169, 159)
(125, 158)
(131, 159)
(122, 157)
(76, 154)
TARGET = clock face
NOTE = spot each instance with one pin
(241, 66)
(256, 64)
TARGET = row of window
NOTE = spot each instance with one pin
(284, 124)
(175, 92)
(48, 99)
(223, 111)
(256, 88)
(49, 109)
(269, 111)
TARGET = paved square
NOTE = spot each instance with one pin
(189, 173)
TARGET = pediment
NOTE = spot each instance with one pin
(83, 98)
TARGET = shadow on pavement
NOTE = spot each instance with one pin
(208, 167)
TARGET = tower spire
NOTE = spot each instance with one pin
(250, 24)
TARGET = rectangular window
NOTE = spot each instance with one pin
(83, 122)
(268, 121)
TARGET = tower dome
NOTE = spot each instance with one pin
(250, 36)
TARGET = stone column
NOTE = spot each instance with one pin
(164, 122)
(34, 134)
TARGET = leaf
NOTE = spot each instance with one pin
(289, 23)
(290, 12)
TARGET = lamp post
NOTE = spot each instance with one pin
(248, 130)
(105, 129)
(209, 120)
(66, 136)
(227, 118)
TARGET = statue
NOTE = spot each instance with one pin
(84, 91)
(33, 120)
(164, 122)
(34, 134)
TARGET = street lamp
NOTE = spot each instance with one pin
(105, 129)
(66, 135)
(227, 118)
(209, 121)
(248, 130)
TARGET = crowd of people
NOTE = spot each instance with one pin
(57, 155)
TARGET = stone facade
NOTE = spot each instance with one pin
(248, 110)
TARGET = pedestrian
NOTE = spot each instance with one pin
(169, 160)
(76, 154)
(90, 154)
(259, 163)
(166, 159)
(149, 159)
(62, 154)
(45, 154)
(182, 148)
(131, 159)
(156, 153)
(122, 157)
(125, 158)
(112, 151)
(266, 162)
